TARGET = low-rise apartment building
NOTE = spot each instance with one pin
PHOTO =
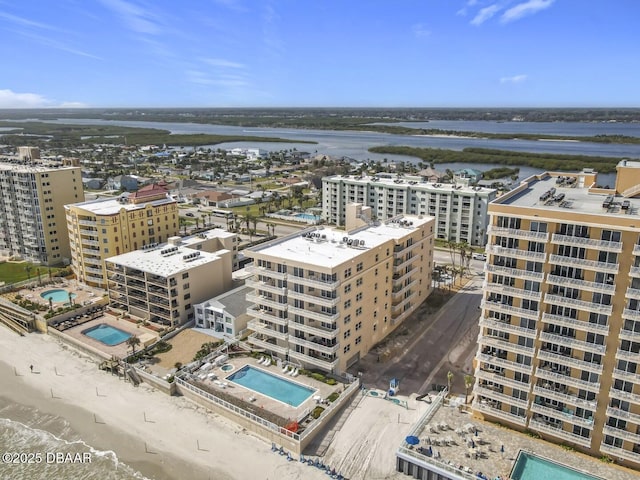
(32, 214)
(460, 211)
(324, 297)
(104, 228)
(162, 283)
(559, 344)
(225, 315)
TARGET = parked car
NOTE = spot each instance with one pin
(479, 256)
(189, 214)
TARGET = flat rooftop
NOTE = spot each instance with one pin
(412, 181)
(530, 194)
(206, 235)
(111, 206)
(326, 247)
(33, 168)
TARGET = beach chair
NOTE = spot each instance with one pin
(261, 359)
(285, 369)
(290, 372)
(295, 373)
(267, 361)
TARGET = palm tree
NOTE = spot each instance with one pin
(209, 214)
(133, 342)
(468, 383)
(449, 380)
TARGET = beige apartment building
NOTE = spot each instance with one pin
(162, 283)
(559, 343)
(32, 215)
(322, 298)
(104, 228)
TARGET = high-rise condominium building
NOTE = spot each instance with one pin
(32, 216)
(559, 342)
(323, 297)
(104, 228)
(460, 211)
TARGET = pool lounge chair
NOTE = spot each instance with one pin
(261, 359)
(285, 369)
(267, 361)
(294, 373)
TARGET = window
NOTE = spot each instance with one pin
(347, 334)
(358, 326)
(359, 282)
(358, 311)
(358, 340)
(347, 319)
(347, 304)
(346, 348)
(187, 296)
(359, 267)
(359, 297)
(347, 273)
(347, 288)
(185, 275)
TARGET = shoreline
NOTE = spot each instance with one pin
(162, 437)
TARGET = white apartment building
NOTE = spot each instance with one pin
(161, 283)
(460, 211)
(32, 215)
(323, 297)
(225, 316)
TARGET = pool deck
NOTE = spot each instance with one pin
(322, 390)
(84, 295)
(453, 445)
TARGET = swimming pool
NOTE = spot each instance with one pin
(532, 467)
(308, 216)
(57, 295)
(273, 386)
(107, 334)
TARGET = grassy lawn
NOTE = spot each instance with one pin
(17, 272)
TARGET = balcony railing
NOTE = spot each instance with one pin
(254, 340)
(634, 272)
(516, 292)
(569, 361)
(494, 412)
(616, 412)
(619, 452)
(262, 300)
(514, 272)
(593, 243)
(324, 364)
(629, 314)
(572, 342)
(564, 397)
(503, 344)
(575, 323)
(622, 395)
(266, 272)
(510, 310)
(567, 380)
(632, 293)
(516, 253)
(315, 282)
(265, 315)
(501, 379)
(579, 304)
(327, 302)
(584, 263)
(623, 375)
(267, 287)
(500, 397)
(313, 330)
(619, 433)
(266, 329)
(559, 433)
(314, 314)
(629, 335)
(581, 284)
(501, 362)
(507, 327)
(562, 415)
(521, 234)
(627, 355)
(636, 249)
(313, 345)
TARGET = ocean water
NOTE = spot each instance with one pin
(38, 446)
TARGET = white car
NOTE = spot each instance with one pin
(479, 256)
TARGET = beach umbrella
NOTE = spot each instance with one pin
(501, 448)
(412, 440)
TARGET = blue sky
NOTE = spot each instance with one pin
(333, 53)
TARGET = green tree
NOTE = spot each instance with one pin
(133, 342)
(468, 383)
(449, 381)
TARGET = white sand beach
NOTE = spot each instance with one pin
(165, 438)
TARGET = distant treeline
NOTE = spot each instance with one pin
(500, 172)
(543, 161)
(532, 136)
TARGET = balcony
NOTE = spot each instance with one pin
(318, 362)
(621, 374)
(602, 245)
(515, 292)
(500, 397)
(627, 355)
(631, 314)
(313, 345)
(266, 329)
(574, 323)
(572, 342)
(619, 452)
(315, 330)
(567, 380)
(619, 433)
(516, 253)
(501, 362)
(266, 272)
(510, 310)
(584, 264)
(627, 396)
(161, 281)
(507, 327)
(266, 316)
(581, 284)
(563, 415)
(258, 342)
(559, 433)
(578, 304)
(503, 344)
(634, 272)
(564, 397)
(96, 271)
(314, 314)
(632, 293)
(315, 282)
(158, 301)
(630, 335)
(514, 272)
(521, 234)
(264, 301)
(636, 249)
(495, 412)
(569, 361)
(266, 287)
(501, 379)
(84, 241)
(327, 302)
(88, 223)
(400, 266)
(616, 412)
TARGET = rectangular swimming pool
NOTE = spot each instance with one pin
(532, 467)
(273, 386)
(107, 334)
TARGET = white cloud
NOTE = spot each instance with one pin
(11, 99)
(135, 17)
(523, 9)
(221, 62)
(420, 30)
(514, 79)
(485, 14)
